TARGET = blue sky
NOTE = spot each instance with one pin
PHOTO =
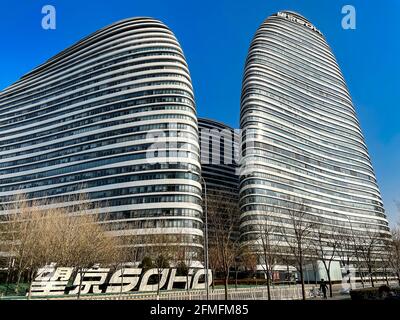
(215, 36)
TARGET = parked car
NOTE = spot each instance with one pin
(345, 291)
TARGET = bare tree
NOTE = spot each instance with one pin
(385, 259)
(161, 249)
(213, 261)
(249, 259)
(44, 232)
(325, 249)
(368, 250)
(297, 233)
(185, 257)
(26, 235)
(127, 252)
(89, 243)
(344, 247)
(268, 249)
(223, 215)
(394, 252)
(240, 252)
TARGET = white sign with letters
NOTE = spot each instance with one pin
(52, 280)
(298, 20)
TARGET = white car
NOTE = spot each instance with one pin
(344, 291)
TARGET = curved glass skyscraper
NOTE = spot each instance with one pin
(219, 146)
(112, 116)
(219, 157)
(301, 137)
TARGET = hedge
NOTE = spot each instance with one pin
(371, 293)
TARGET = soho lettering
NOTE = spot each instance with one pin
(52, 280)
(299, 21)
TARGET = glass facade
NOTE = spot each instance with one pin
(114, 117)
(219, 149)
(219, 145)
(301, 137)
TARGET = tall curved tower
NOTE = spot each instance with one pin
(302, 141)
(112, 116)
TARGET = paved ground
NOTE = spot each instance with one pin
(337, 288)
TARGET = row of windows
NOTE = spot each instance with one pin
(133, 191)
(310, 106)
(123, 174)
(258, 191)
(257, 97)
(172, 130)
(87, 77)
(319, 151)
(102, 143)
(333, 179)
(40, 133)
(302, 108)
(296, 40)
(255, 203)
(295, 70)
(71, 133)
(183, 155)
(172, 148)
(306, 136)
(29, 115)
(58, 108)
(162, 223)
(298, 59)
(329, 105)
(310, 60)
(327, 221)
(327, 185)
(288, 157)
(154, 213)
(302, 188)
(113, 61)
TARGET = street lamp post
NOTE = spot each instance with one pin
(205, 234)
(348, 259)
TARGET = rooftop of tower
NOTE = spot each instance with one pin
(298, 16)
(214, 122)
(77, 44)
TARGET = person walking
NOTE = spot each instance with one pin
(323, 287)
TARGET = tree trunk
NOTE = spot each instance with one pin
(327, 269)
(315, 276)
(226, 284)
(8, 279)
(187, 280)
(236, 279)
(80, 284)
(330, 284)
(122, 281)
(18, 281)
(362, 279)
(303, 290)
(268, 285)
(30, 284)
(371, 277)
(158, 284)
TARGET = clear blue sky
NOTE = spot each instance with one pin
(215, 36)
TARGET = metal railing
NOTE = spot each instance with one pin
(253, 293)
